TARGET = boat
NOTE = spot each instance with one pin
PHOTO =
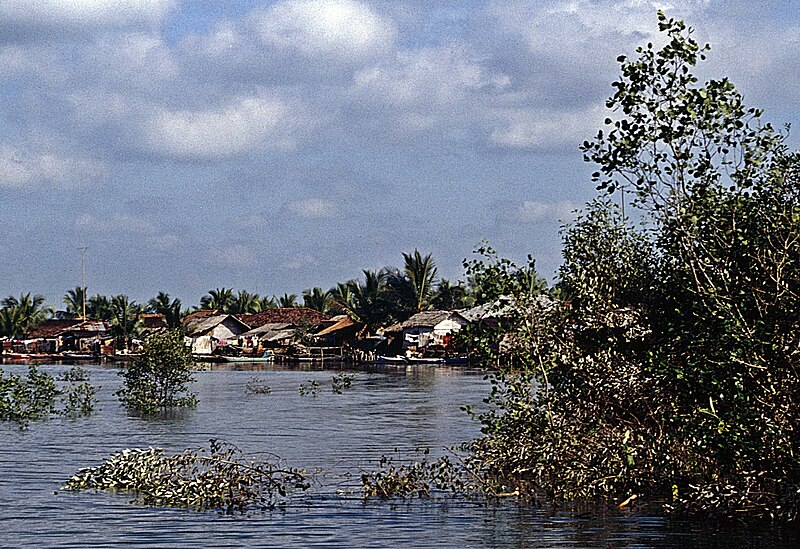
(392, 360)
(407, 360)
(265, 358)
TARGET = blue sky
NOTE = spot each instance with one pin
(276, 146)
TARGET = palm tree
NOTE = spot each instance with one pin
(99, 307)
(23, 314)
(244, 303)
(264, 303)
(412, 287)
(449, 297)
(366, 302)
(219, 299)
(74, 300)
(171, 310)
(288, 300)
(125, 321)
(12, 322)
(317, 299)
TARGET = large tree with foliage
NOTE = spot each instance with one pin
(672, 369)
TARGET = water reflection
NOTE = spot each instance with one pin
(387, 407)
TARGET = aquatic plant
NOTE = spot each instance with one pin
(257, 386)
(23, 400)
(309, 390)
(157, 379)
(219, 477)
(342, 381)
(419, 478)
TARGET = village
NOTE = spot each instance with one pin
(391, 316)
(288, 334)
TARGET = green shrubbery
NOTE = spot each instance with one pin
(38, 396)
(157, 379)
(669, 367)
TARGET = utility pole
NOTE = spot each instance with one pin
(83, 278)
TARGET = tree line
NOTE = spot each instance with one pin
(379, 299)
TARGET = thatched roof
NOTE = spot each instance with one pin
(266, 329)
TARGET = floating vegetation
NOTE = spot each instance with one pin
(342, 381)
(218, 478)
(257, 386)
(311, 389)
(414, 479)
(33, 397)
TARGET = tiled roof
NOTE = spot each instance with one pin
(55, 328)
(289, 315)
(51, 328)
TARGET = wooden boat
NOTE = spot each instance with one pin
(268, 358)
(392, 360)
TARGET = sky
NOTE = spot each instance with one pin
(277, 146)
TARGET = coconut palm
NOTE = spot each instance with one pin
(244, 303)
(125, 321)
(23, 313)
(317, 299)
(171, 310)
(366, 302)
(288, 300)
(219, 299)
(264, 303)
(448, 296)
(412, 287)
(74, 300)
(99, 307)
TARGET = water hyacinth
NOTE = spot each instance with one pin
(218, 478)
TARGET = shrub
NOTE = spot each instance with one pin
(157, 379)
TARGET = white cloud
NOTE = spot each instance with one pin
(300, 262)
(19, 169)
(313, 208)
(241, 126)
(541, 129)
(531, 211)
(237, 256)
(335, 29)
(116, 223)
(60, 13)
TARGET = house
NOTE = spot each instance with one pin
(207, 331)
(336, 332)
(152, 323)
(54, 336)
(268, 336)
(427, 329)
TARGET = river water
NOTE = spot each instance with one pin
(387, 409)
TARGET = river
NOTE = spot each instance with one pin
(386, 410)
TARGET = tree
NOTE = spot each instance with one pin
(19, 315)
(157, 379)
(219, 299)
(317, 299)
(671, 371)
(125, 321)
(365, 302)
(412, 287)
(171, 310)
(99, 307)
(74, 300)
(288, 301)
(244, 303)
(449, 296)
